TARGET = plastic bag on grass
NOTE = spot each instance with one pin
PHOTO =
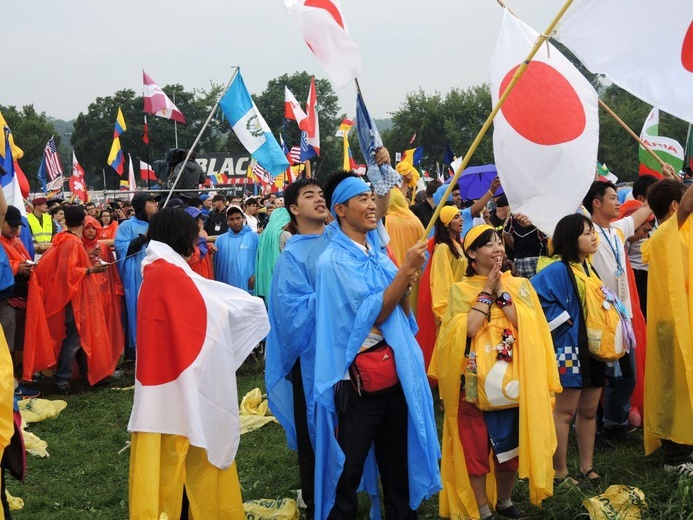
(618, 502)
(284, 509)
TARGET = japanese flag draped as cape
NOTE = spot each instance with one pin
(192, 335)
(545, 136)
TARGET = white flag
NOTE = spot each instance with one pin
(546, 134)
(644, 47)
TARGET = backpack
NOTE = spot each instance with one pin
(604, 324)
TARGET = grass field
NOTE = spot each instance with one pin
(86, 478)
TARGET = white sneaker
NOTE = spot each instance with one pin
(685, 469)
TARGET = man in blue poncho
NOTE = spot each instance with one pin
(130, 246)
(290, 347)
(363, 397)
(234, 262)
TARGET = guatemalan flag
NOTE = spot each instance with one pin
(546, 134)
(251, 128)
(192, 335)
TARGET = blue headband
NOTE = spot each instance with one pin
(348, 188)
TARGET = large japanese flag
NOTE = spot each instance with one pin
(324, 30)
(645, 47)
(192, 335)
(546, 134)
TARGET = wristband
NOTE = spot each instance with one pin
(487, 301)
(490, 193)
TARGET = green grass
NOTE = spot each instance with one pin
(86, 478)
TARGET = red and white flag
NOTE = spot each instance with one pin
(413, 138)
(208, 328)
(147, 172)
(324, 30)
(158, 103)
(546, 134)
(292, 110)
(645, 48)
(77, 183)
(312, 112)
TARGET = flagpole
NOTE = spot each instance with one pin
(610, 112)
(175, 123)
(103, 172)
(199, 135)
(543, 37)
(146, 150)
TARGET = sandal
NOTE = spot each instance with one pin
(595, 481)
(564, 480)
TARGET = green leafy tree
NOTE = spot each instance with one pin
(31, 131)
(618, 149)
(454, 120)
(93, 133)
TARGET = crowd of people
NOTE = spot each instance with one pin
(362, 321)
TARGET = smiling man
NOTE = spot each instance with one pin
(292, 308)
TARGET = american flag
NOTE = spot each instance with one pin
(295, 154)
(260, 173)
(53, 166)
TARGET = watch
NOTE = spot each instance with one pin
(504, 299)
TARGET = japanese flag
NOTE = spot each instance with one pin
(192, 335)
(546, 134)
(644, 47)
(324, 30)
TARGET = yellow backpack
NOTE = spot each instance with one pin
(604, 324)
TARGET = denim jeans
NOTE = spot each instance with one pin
(69, 350)
(617, 394)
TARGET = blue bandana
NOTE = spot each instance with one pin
(348, 188)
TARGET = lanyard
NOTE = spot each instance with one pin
(613, 247)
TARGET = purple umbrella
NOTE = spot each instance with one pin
(476, 180)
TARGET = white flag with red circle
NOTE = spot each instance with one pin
(644, 47)
(546, 134)
(324, 30)
(192, 335)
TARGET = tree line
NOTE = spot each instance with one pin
(438, 120)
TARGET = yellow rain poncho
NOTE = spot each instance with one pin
(445, 271)
(669, 368)
(538, 378)
(159, 467)
(404, 228)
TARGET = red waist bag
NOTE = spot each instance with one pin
(374, 370)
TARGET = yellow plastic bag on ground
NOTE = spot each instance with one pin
(254, 411)
(15, 503)
(618, 502)
(265, 509)
(34, 445)
(37, 410)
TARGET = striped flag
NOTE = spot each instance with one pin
(116, 159)
(53, 166)
(258, 173)
(667, 149)
(295, 154)
(147, 172)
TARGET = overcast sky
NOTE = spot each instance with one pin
(60, 56)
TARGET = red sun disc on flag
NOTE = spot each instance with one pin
(543, 107)
(687, 50)
(171, 323)
(329, 7)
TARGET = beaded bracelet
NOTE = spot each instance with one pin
(487, 301)
(484, 293)
(479, 310)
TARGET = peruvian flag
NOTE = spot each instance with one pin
(546, 134)
(292, 110)
(208, 329)
(158, 103)
(643, 47)
(147, 172)
(312, 139)
(77, 183)
(324, 30)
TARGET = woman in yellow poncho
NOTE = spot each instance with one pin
(495, 335)
(448, 263)
(404, 228)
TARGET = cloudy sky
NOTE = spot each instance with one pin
(61, 56)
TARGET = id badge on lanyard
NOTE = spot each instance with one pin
(622, 284)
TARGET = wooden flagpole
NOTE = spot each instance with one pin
(199, 135)
(475, 144)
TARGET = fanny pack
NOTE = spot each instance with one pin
(374, 370)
